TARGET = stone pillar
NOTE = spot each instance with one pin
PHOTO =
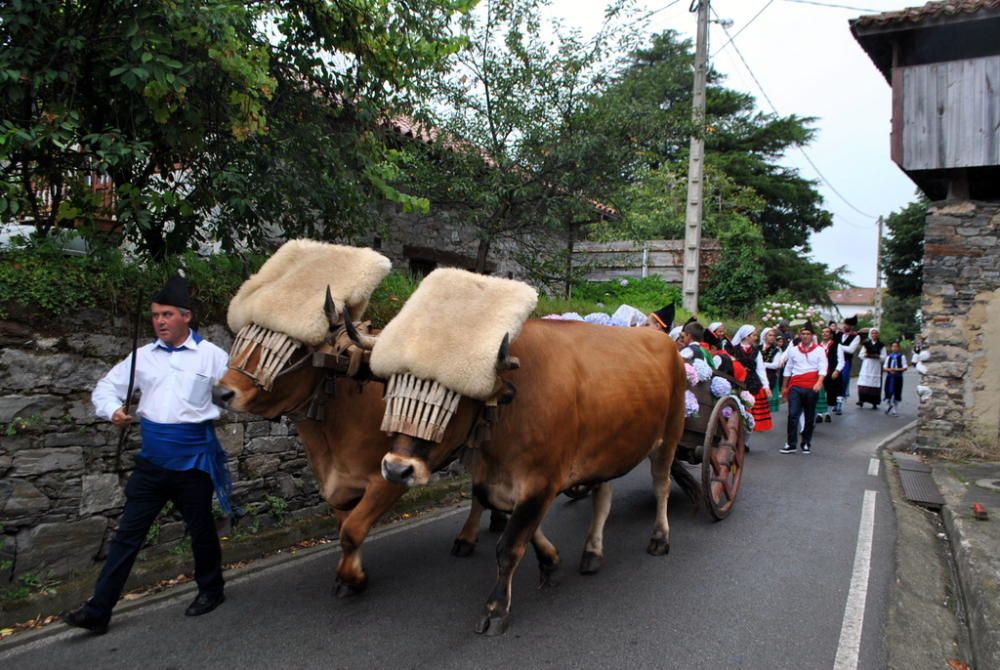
(961, 321)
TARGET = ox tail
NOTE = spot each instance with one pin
(687, 482)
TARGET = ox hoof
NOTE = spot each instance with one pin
(590, 563)
(498, 522)
(549, 578)
(462, 548)
(344, 589)
(493, 624)
(658, 547)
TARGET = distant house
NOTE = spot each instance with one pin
(853, 301)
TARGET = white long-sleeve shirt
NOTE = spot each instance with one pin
(176, 385)
(799, 363)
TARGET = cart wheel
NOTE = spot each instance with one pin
(722, 465)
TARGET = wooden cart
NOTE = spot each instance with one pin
(716, 440)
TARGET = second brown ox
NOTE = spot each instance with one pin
(591, 403)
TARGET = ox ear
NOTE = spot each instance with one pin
(504, 360)
(330, 309)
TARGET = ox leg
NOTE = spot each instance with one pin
(661, 459)
(465, 543)
(521, 527)
(548, 559)
(593, 550)
(354, 527)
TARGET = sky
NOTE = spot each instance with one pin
(804, 57)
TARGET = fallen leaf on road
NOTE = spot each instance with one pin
(956, 664)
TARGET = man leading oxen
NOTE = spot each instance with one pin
(584, 405)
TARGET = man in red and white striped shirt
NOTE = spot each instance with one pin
(805, 369)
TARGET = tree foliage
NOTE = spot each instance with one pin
(211, 119)
(903, 265)
(513, 154)
(648, 107)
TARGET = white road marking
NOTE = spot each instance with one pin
(873, 467)
(849, 645)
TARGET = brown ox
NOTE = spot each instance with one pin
(344, 449)
(591, 403)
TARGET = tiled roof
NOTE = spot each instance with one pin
(912, 17)
(853, 296)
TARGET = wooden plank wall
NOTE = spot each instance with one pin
(609, 260)
(951, 114)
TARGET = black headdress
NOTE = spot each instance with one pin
(808, 325)
(174, 292)
(711, 339)
(851, 320)
(665, 316)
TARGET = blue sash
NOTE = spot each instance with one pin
(189, 446)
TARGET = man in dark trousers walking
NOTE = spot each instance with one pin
(181, 459)
(805, 369)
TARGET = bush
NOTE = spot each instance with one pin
(647, 293)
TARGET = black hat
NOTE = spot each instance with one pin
(711, 339)
(851, 320)
(808, 325)
(665, 316)
(174, 292)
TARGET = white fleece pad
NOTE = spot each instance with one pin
(288, 293)
(451, 328)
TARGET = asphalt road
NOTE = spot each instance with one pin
(766, 588)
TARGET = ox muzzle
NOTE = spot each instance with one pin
(406, 463)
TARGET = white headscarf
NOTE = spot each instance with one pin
(676, 333)
(763, 334)
(714, 326)
(745, 331)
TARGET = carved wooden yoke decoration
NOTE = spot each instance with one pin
(417, 407)
(275, 350)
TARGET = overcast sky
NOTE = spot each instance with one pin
(808, 64)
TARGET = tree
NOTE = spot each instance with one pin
(210, 119)
(513, 153)
(903, 265)
(648, 106)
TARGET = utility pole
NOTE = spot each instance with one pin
(878, 277)
(696, 167)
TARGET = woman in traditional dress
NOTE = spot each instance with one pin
(770, 353)
(895, 366)
(870, 377)
(745, 350)
(832, 386)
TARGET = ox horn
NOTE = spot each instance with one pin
(330, 309)
(504, 360)
(366, 342)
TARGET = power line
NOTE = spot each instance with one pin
(661, 9)
(831, 5)
(745, 26)
(775, 110)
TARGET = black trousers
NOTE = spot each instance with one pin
(148, 490)
(801, 401)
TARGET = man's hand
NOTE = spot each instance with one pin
(120, 418)
(767, 393)
(817, 386)
(836, 374)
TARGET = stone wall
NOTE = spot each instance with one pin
(60, 496)
(961, 315)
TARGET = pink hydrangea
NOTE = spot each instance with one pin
(747, 398)
(692, 374)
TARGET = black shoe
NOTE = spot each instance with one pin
(828, 419)
(79, 618)
(205, 603)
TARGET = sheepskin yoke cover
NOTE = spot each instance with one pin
(288, 293)
(451, 328)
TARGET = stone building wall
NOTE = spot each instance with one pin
(60, 496)
(961, 316)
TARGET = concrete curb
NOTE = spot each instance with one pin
(978, 567)
(923, 629)
(235, 576)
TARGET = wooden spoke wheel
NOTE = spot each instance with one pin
(722, 462)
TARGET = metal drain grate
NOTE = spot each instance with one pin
(919, 488)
